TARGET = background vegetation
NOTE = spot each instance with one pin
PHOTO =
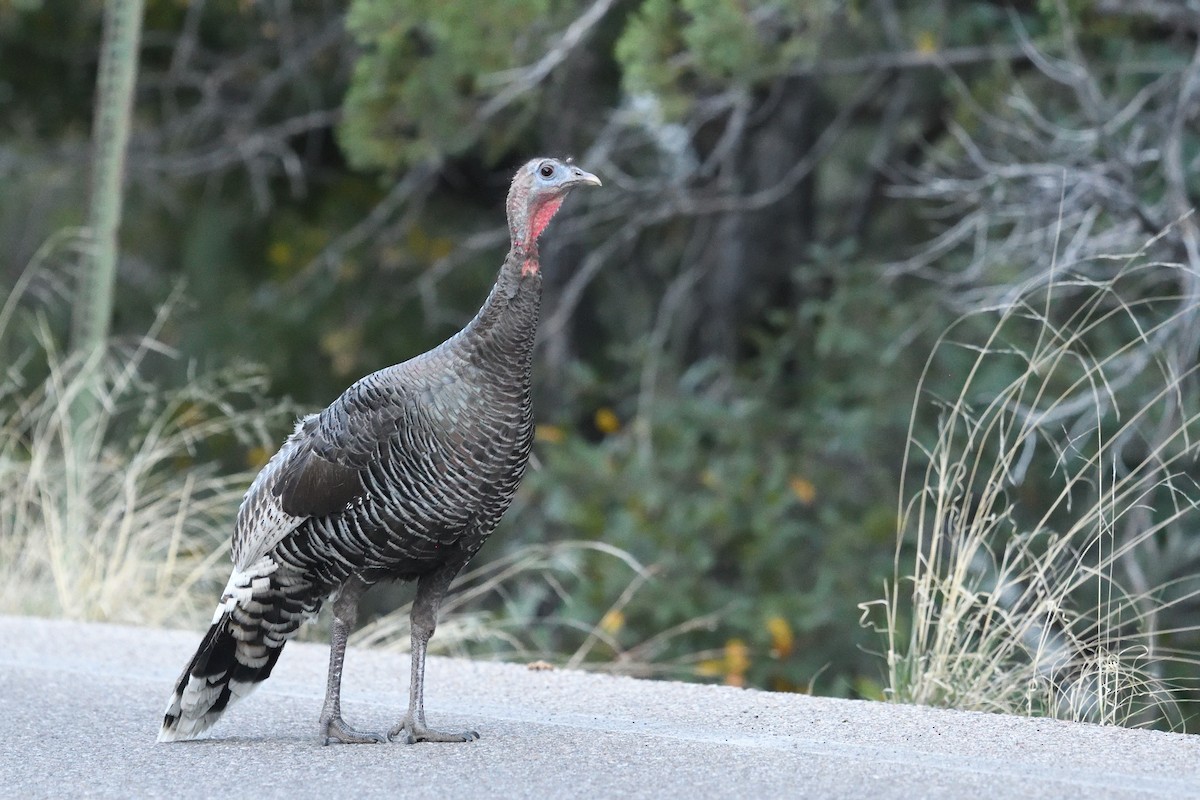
(735, 380)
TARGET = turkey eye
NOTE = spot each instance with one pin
(546, 171)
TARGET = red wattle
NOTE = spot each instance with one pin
(541, 216)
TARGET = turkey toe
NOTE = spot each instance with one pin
(411, 733)
(336, 730)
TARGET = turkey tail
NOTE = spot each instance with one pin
(255, 619)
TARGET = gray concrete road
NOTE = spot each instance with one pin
(81, 704)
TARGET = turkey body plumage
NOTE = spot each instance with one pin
(403, 477)
(413, 466)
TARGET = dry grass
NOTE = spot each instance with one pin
(122, 515)
(1048, 561)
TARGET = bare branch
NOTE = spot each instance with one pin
(528, 78)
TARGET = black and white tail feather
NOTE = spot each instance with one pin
(260, 609)
(254, 621)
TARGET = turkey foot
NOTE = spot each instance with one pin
(336, 730)
(419, 732)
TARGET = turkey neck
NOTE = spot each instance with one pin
(501, 336)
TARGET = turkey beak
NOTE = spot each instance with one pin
(580, 177)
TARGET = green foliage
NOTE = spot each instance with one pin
(747, 535)
(675, 49)
(425, 70)
(758, 506)
(49, 33)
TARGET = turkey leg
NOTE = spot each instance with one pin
(431, 588)
(345, 614)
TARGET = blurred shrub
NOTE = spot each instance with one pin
(747, 537)
(754, 498)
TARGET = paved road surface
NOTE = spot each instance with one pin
(81, 703)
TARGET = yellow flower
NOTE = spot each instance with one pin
(782, 638)
(612, 622)
(607, 420)
(804, 490)
(257, 456)
(733, 663)
(549, 433)
(280, 254)
(737, 661)
(926, 43)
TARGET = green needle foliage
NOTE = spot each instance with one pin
(424, 74)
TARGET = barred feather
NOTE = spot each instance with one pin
(411, 468)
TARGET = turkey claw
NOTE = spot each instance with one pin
(411, 733)
(336, 730)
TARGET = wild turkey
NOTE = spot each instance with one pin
(403, 477)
